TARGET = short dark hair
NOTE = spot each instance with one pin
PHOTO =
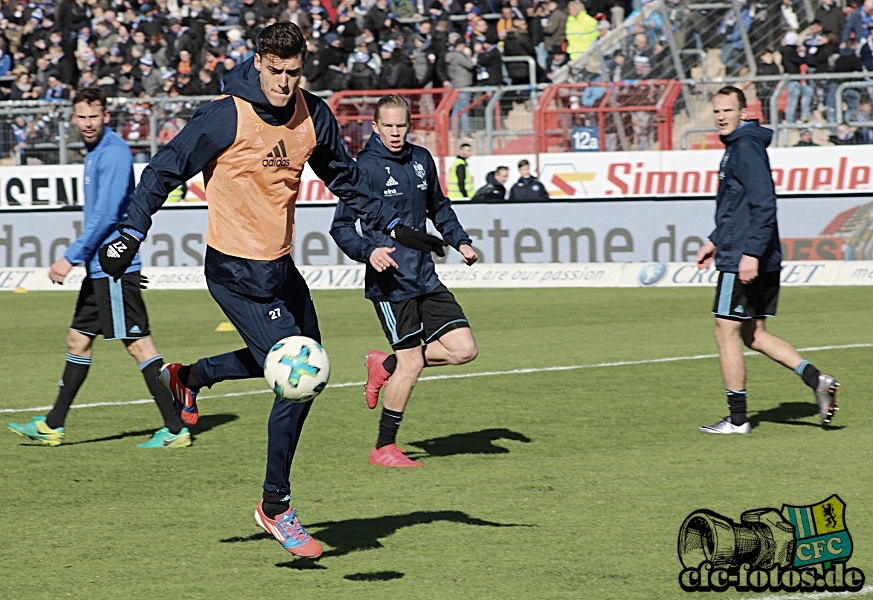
(284, 40)
(466, 145)
(731, 90)
(523, 163)
(392, 101)
(501, 168)
(90, 95)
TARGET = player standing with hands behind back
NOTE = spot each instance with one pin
(411, 302)
(745, 246)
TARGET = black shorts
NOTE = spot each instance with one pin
(428, 317)
(738, 302)
(113, 309)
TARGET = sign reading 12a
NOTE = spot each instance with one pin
(585, 139)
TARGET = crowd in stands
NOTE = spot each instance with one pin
(171, 48)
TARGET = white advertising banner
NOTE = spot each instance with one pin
(61, 185)
(817, 171)
(833, 228)
(689, 173)
(578, 275)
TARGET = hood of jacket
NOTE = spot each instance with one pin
(375, 148)
(491, 180)
(749, 129)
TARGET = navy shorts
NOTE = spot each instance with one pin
(736, 301)
(113, 309)
(264, 321)
(409, 322)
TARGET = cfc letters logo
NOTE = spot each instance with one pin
(800, 548)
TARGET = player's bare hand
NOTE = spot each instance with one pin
(705, 255)
(469, 254)
(748, 269)
(381, 259)
(59, 271)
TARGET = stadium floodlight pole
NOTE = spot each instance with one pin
(674, 53)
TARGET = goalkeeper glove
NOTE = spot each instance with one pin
(417, 240)
(118, 254)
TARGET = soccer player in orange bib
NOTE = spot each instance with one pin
(251, 145)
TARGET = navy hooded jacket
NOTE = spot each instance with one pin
(745, 213)
(528, 189)
(491, 192)
(211, 131)
(407, 182)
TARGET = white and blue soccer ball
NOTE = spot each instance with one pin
(297, 368)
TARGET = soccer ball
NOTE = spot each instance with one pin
(297, 368)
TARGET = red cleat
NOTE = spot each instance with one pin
(391, 456)
(184, 398)
(377, 377)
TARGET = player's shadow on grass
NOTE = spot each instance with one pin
(355, 535)
(790, 413)
(375, 576)
(473, 442)
(205, 423)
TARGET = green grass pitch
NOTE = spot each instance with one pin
(549, 484)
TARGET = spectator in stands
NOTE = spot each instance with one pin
(460, 178)
(554, 27)
(55, 89)
(528, 188)
(557, 61)
(764, 89)
(127, 87)
(805, 139)
(483, 32)
(378, 20)
(150, 78)
(620, 68)
(24, 88)
(21, 131)
(63, 65)
(642, 67)
(788, 20)
(831, 17)
(459, 72)
(494, 189)
(297, 15)
(362, 69)
(797, 90)
(178, 39)
(858, 24)
(490, 63)
(518, 43)
(505, 22)
(732, 48)
(423, 61)
(209, 85)
(397, 72)
(136, 133)
(818, 48)
(581, 30)
(848, 62)
(845, 136)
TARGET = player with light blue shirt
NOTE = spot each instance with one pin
(111, 308)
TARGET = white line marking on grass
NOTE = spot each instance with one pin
(813, 596)
(621, 363)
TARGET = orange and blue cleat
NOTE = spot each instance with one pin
(289, 532)
(377, 377)
(184, 397)
(391, 456)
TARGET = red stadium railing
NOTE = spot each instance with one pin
(624, 116)
(430, 110)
